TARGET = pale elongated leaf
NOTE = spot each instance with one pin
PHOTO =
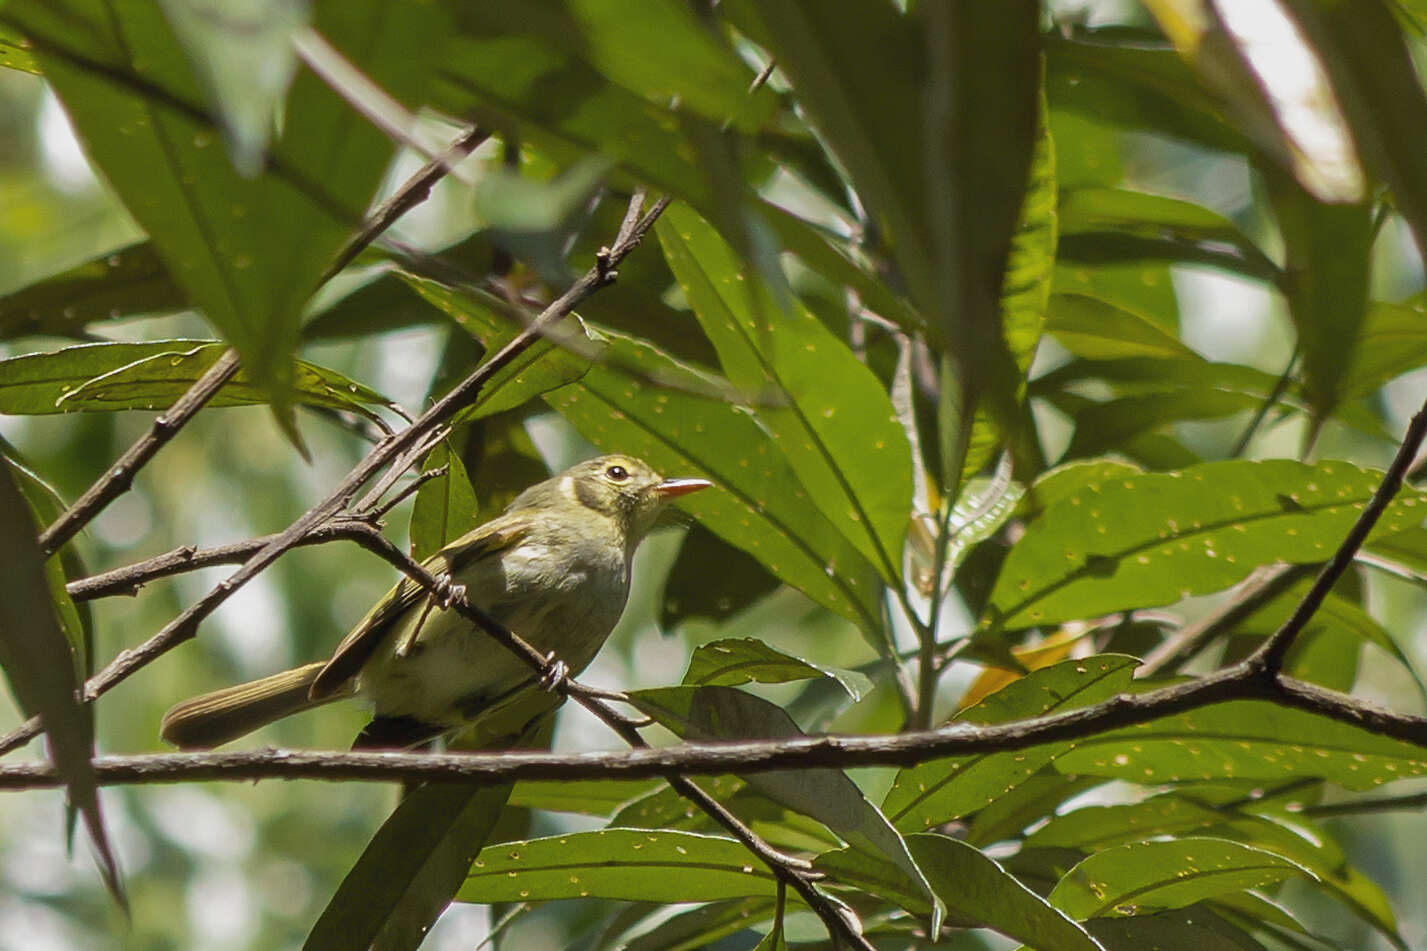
(409, 870)
(734, 661)
(828, 414)
(41, 669)
(1151, 539)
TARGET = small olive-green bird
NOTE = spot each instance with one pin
(554, 568)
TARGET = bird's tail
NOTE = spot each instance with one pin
(213, 719)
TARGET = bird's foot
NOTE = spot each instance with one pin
(448, 592)
(555, 673)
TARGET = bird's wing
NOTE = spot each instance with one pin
(357, 647)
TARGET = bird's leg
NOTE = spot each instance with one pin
(555, 673)
(447, 591)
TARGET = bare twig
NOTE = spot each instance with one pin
(1271, 655)
(413, 192)
(117, 480)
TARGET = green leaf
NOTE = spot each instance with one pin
(1390, 344)
(938, 791)
(543, 367)
(41, 669)
(976, 890)
(408, 872)
(115, 376)
(703, 926)
(827, 412)
(627, 864)
(1327, 261)
(16, 54)
(732, 662)
(384, 304)
(445, 507)
(593, 797)
(757, 503)
(1245, 740)
(1190, 929)
(1109, 426)
(1098, 330)
(122, 283)
(1153, 876)
(827, 795)
(1147, 540)
(691, 591)
(137, 105)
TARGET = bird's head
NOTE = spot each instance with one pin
(620, 487)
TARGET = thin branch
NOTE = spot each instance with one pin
(1252, 595)
(1240, 682)
(1271, 655)
(413, 192)
(117, 480)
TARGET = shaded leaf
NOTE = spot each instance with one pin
(1195, 928)
(702, 926)
(445, 507)
(409, 870)
(595, 797)
(690, 590)
(42, 671)
(122, 283)
(734, 661)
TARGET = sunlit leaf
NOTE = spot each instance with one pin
(1180, 533)
(735, 661)
(445, 507)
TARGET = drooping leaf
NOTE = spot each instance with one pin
(940, 790)
(827, 412)
(410, 869)
(1195, 928)
(123, 283)
(596, 797)
(703, 926)
(1153, 876)
(690, 590)
(735, 661)
(827, 795)
(41, 669)
(1180, 533)
(627, 864)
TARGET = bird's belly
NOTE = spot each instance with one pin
(453, 670)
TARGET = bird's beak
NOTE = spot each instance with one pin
(673, 488)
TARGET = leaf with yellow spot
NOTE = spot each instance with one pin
(1151, 539)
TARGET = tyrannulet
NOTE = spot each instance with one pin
(554, 568)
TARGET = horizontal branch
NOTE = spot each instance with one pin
(1244, 681)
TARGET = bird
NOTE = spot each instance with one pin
(554, 568)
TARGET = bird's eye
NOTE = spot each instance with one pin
(617, 473)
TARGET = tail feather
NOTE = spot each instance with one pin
(213, 719)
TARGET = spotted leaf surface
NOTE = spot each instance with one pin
(626, 864)
(1245, 739)
(734, 661)
(1151, 539)
(1144, 877)
(941, 790)
(826, 411)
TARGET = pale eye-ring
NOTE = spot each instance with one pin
(617, 473)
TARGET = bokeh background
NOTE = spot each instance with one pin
(249, 867)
